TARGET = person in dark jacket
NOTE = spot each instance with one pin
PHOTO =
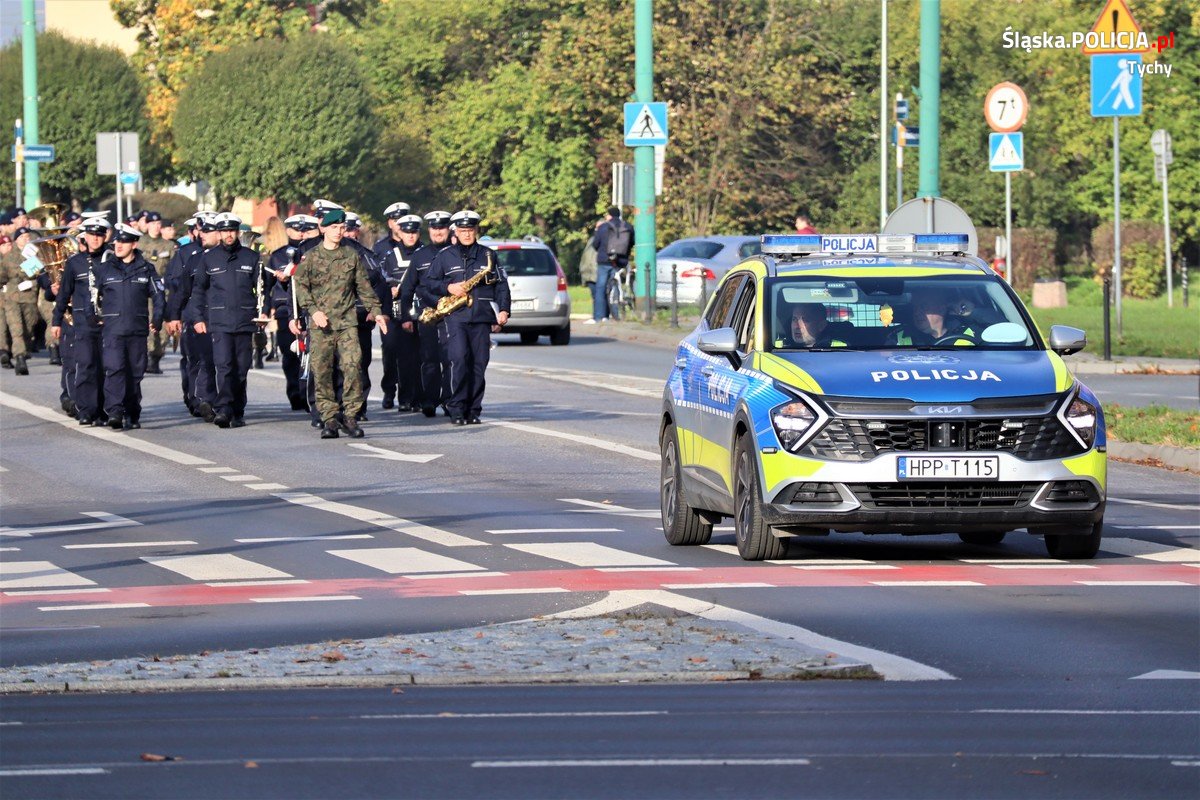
(130, 296)
(277, 285)
(172, 322)
(414, 299)
(201, 375)
(78, 295)
(401, 364)
(610, 256)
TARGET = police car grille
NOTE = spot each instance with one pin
(929, 494)
(1028, 438)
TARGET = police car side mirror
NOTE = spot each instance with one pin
(720, 342)
(1066, 340)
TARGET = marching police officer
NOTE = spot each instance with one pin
(172, 324)
(392, 214)
(201, 373)
(158, 251)
(462, 269)
(80, 291)
(277, 282)
(131, 303)
(223, 304)
(431, 351)
(330, 278)
(401, 368)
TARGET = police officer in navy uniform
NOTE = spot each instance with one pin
(392, 214)
(79, 291)
(224, 305)
(277, 292)
(201, 374)
(172, 322)
(468, 329)
(131, 303)
(415, 297)
(401, 365)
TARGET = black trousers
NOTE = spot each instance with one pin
(66, 379)
(87, 355)
(289, 360)
(432, 358)
(231, 364)
(402, 365)
(124, 366)
(468, 349)
(200, 365)
(364, 343)
(185, 368)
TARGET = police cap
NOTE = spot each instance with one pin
(409, 223)
(308, 222)
(71, 216)
(126, 233)
(465, 219)
(207, 220)
(228, 222)
(396, 210)
(438, 219)
(19, 232)
(353, 221)
(18, 212)
(321, 206)
(295, 221)
(97, 225)
(152, 216)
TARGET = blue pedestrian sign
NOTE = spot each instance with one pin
(1006, 152)
(130, 178)
(645, 124)
(42, 153)
(1116, 85)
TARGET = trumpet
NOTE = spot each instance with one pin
(449, 304)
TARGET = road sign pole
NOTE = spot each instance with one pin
(1167, 241)
(883, 120)
(643, 156)
(1008, 259)
(33, 186)
(931, 103)
(117, 142)
(1117, 219)
(899, 166)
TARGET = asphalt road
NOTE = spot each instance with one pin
(199, 538)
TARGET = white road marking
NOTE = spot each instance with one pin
(825, 562)
(554, 530)
(316, 598)
(240, 478)
(1152, 551)
(725, 549)
(1040, 566)
(1185, 763)
(1167, 675)
(1133, 583)
(603, 444)
(215, 567)
(280, 582)
(926, 583)
(217, 470)
(543, 590)
(508, 715)
(414, 529)
(747, 585)
(589, 554)
(403, 560)
(1158, 527)
(1172, 506)
(647, 569)
(1012, 561)
(9, 549)
(267, 487)
(889, 665)
(11, 723)
(96, 590)
(37, 575)
(125, 544)
(592, 380)
(326, 538)
(646, 762)
(106, 520)
(17, 773)
(104, 434)
(834, 567)
(612, 508)
(433, 576)
(90, 606)
(371, 451)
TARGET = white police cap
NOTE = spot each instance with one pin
(190, 222)
(396, 210)
(353, 220)
(438, 219)
(98, 225)
(228, 222)
(294, 221)
(126, 233)
(309, 219)
(465, 219)
(95, 215)
(410, 223)
(321, 206)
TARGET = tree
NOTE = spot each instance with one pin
(83, 88)
(290, 120)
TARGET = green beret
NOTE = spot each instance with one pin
(333, 217)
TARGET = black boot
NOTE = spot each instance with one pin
(22, 368)
(6, 359)
(153, 368)
(55, 357)
(258, 359)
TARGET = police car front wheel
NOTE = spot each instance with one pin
(1084, 544)
(681, 524)
(755, 540)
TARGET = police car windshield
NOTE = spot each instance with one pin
(886, 313)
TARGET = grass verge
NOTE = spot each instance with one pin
(1153, 425)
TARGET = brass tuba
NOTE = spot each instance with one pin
(450, 303)
(53, 250)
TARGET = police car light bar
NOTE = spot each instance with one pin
(864, 244)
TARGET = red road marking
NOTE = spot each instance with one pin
(591, 580)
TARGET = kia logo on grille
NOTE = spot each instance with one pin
(939, 409)
(922, 358)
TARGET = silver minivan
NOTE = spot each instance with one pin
(540, 303)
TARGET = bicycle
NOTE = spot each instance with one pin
(620, 293)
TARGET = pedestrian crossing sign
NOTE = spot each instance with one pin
(645, 124)
(1006, 152)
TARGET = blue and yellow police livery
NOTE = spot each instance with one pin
(885, 383)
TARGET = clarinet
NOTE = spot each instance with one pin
(94, 292)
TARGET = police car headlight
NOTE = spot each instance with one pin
(792, 422)
(1081, 416)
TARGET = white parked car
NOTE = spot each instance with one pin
(697, 259)
(540, 303)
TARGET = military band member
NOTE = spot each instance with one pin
(468, 329)
(20, 307)
(131, 303)
(401, 368)
(202, 376)
(330, 279)
(281, 266)
(224, 305)
(158, 251)
(80, 295)
(172, 323)
(6, 246)
(413, 299)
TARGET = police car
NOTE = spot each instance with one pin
(880, 384)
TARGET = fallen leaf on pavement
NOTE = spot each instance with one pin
(697, 659)
(157, 757)
(251, 765)
(333, 655)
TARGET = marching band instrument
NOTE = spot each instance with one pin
(449, 304)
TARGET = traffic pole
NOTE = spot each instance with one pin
(33, 187)
(644, 227)
(883, 118)
(1167, 241)
(1117, 220)
(1008, 248)
(931, 101)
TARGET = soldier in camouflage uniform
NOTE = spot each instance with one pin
(157, 251)
(20, 302)
(328, 280)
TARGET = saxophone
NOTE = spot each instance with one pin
(449, 304)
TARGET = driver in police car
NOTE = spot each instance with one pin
(932, 321)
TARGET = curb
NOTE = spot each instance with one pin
(843, 671)
(1186, 458)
